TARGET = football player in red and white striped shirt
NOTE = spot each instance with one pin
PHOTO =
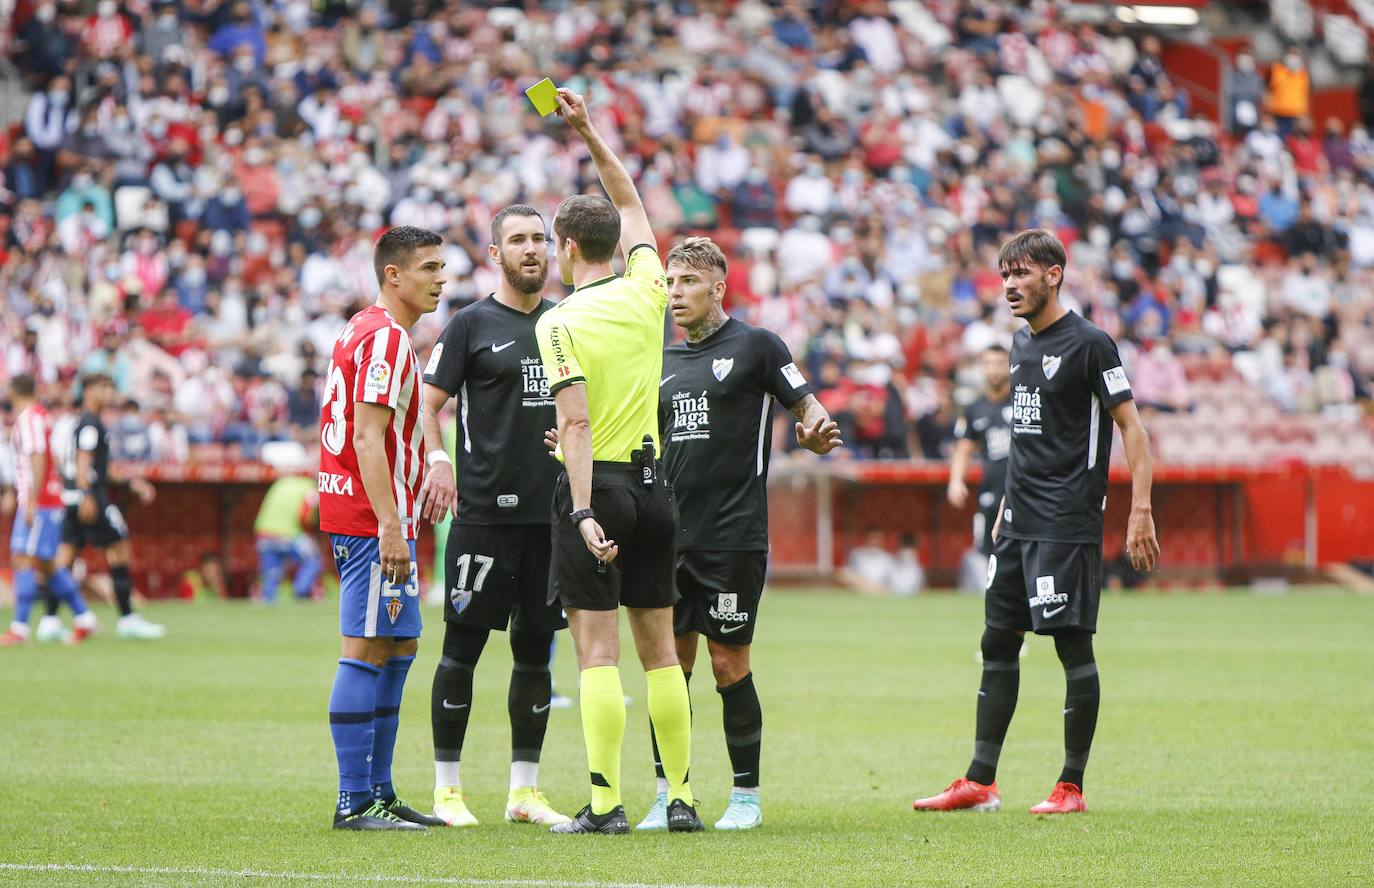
(38, 524)
(371, 465)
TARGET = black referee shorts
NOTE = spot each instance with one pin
(498, 575)
(642, 519)
(1043, 585)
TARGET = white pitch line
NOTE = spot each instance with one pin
(319, 877)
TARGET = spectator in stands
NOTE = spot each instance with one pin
(1247, 92)
(873, 570)
(1290, 91)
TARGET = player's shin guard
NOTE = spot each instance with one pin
(123, 589)
(387, 719)
(25, 595)
(743, 718)
(670, 708)
(451, 699)
(528, 703)
(352, 704)
(1082, 695)
(603, 728)
(653, 740)
(66, 590)
(996, 701)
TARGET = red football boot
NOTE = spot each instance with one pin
(962, 794)
(12, 639)
(1065, 799)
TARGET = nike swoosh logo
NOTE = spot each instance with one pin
(497, 348)
(448, 705)
(665, 379)
(733, 628)
(741, 773)
(1015, 367)
(1047, 613)
(542, 709)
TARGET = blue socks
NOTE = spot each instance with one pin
(351, 715)
(25, 594)
(65, 588)
(388, 718)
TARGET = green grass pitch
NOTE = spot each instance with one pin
(1235, 747)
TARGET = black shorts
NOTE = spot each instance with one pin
(721, 592)
(107, 529)
(640, 518)
(498, 575)
(984, 519)
(1043, 586)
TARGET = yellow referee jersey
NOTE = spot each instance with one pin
(608, 334)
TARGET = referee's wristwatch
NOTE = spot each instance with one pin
(580, 515)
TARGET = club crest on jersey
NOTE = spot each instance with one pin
(461, 598)
(1050, 364)
(340, 552)
(393, 608)
(721, 367)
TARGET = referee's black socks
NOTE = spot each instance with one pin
(1082, 695)
(743, 718)
(996, 701)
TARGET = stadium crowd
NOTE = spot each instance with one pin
(190, 201)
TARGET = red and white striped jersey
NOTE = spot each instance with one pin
(32, 435)
(373, 363)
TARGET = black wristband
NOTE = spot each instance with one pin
(580, 514)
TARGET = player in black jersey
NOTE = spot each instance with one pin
(91, 518)
(1068, 387)
(497, 556)
(715, 416)
(986, 426)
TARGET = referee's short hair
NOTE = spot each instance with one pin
(513, 210)
(398, 245)
(1033, 245)
(700, 253)
(592, 221)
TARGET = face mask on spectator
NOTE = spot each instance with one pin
(233, 137)
(168, 18)
(231, 195)
(219, 95)
(58, 97)
(244, 64)
(310, 217)
(121, 124)
(158, 129)
(424, 195)
(105, 8)
(253, 156)
(46, 13)
(813, 170)
(1292, 61)
(81, 180)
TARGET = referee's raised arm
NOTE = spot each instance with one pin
(620, 188)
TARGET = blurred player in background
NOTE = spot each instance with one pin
(1045, 573)
(985, 426)
(91, 518)
(369, 482)
(497, 557)
(288, 512)
(37, 529)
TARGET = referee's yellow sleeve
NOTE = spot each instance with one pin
(556, 351)
(644, 269)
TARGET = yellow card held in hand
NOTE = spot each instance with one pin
(544, 97)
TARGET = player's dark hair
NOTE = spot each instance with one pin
(21, 384)
(1033, 245)
(592, 221)
(513, 210)
(398, 245)
(700, 253)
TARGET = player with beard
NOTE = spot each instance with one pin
(1045, 572)
(496, 568)
(986, 424)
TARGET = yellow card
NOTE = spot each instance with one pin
(544, 97)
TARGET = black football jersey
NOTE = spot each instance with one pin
(988, 425)
(715, 407)
(489, 360)
(89, 435)
(1064, 380)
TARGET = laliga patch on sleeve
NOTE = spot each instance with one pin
(1115, 380)
(434, 359)
(378, 378)
(793, 376)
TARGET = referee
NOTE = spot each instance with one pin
(614, 518)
